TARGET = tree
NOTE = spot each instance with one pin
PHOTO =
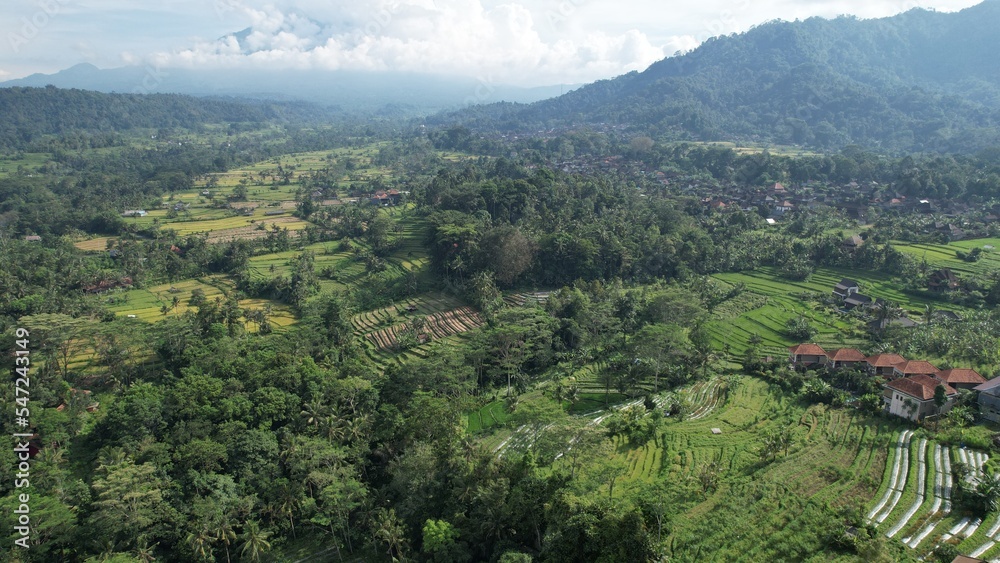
(940, 397)
(255, 543)
(389, 530)
(128, 498)
(987, 492)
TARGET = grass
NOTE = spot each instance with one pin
(489, 416)
(770, 301)
(943, 255)
(146, 304)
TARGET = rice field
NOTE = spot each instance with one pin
(147, 304)
(770, 301)
(943, 255)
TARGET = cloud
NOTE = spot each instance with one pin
(502, 43)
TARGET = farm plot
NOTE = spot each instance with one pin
(943, 255)
(897, 482)
(436, 326)
(942, 502)
(423, 305)
(921, 490)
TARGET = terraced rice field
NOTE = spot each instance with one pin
(921, 474)
(943, 255)
(766, 318)
(93, 245)
(146, 304)
(437, 326)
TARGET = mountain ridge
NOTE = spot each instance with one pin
(920, 80)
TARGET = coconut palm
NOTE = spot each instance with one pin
(255, 542)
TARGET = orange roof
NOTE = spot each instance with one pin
(961, 375)
(920, 386)
(847, 355)
(885, 360)
(807, 350)
(916, 367)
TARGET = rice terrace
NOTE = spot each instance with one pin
(738, 304)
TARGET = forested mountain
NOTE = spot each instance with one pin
(29, 113)
(917, 81)
(359, 92)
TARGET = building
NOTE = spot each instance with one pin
(807, 355)
(989, 399)
(961, 378)
(33, 238)
(884, 364)
(845, 288)
(852, 243)
(135, 213)
(846, 358)
(914, 367)
(857, 300)
(913, 397)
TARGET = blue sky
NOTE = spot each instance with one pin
(526, 42)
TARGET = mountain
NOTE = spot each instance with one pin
(393, 93)
(30, 113)
(921, 80)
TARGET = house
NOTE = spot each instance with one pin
(989, 399)
(135, 213)
(883, 364)
(858, 300)
(807, 355)
(33, 238)
(783, 207)
(845, 358)
(967, 559)
(852, 243)
(944, 315)
(913, 397)
(914, 367)
(942, 280)
(879, 325)
(845, 288)
(961, 378)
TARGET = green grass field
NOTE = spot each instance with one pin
(770, 301)
(764, 510)
(943, 255)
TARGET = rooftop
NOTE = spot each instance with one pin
(920, 387)
(847, 355)
(916, 367)
(961, 375)
(807, 350)
(885, 360)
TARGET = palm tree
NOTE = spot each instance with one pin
(224, 533)
(254, 542)
(390, 531)
(200, 543)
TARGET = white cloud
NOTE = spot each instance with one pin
(502, 43)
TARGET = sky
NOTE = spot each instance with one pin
(522, 42)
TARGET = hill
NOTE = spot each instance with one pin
(390, 94)
(918, 81)
(32, 112)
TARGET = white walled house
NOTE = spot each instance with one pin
(913, 397)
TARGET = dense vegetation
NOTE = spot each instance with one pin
(508, 358)
(919, 81)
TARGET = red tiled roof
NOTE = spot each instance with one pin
(961, 375)
(885, 360)
(920, 386)
(847, 355)
(807, 350)
(916, 367)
